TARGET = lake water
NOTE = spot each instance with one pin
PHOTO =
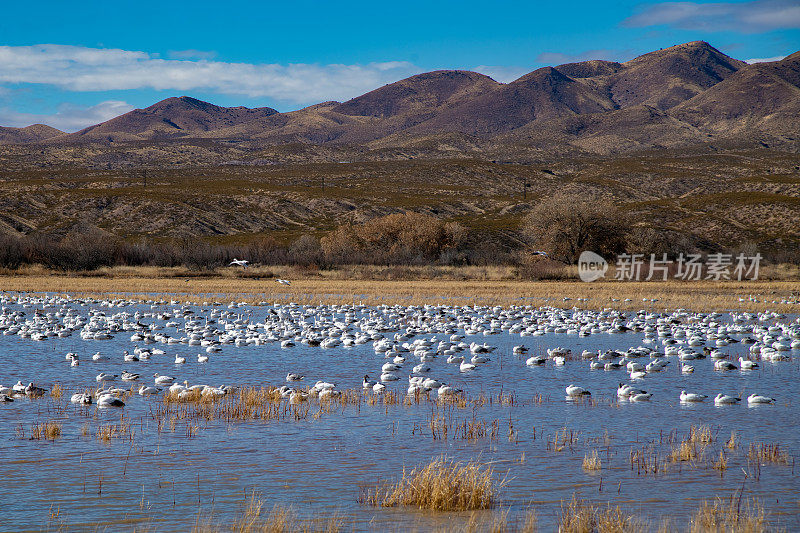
(167, 480)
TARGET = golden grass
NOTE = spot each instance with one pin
(729, 517)
(56, 392)
(106, 432)
(685, 451)
(49, 430)
(693, 446)
(531, 522)
(579, 516)
(721, 463)
(591, 461)
(700, 435)
(441, 485)
(767, 453)
(563, 437)
(252, 518)
(646, 461)
(324, 287)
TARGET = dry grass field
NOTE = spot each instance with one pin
(451, 286)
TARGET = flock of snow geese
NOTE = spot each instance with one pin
(410, 341)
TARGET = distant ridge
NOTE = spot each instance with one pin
(177, 116)
(28, 134)
(678, 96)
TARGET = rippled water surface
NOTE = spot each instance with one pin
(167, 476)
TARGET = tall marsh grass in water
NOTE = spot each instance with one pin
(49, 430)
(253, 517)
(441, 485)
(579, 516)
(591, 461)
(732, 515)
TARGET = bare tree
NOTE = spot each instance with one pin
(565, 225)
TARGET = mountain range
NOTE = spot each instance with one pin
(686, 141)
(684, 95)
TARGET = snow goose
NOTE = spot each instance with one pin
(163, 380)
(692, 397)
(747, 364)
(574, 390)
(723, 399)
(756, 398)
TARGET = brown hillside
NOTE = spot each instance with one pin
(175, 116)
(667, 77)
(761, 101)
(543, 94)
(28, 134)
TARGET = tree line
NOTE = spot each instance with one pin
(562, 226)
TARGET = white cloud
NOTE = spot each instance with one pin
(78, 68)
(69, 117)
(191, 54)
(746, 17)
(763, 59)
(501, 73)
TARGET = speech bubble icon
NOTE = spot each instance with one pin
(591, 266)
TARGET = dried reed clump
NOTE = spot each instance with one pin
(183, 397)
(49, 430)
(56, 392)
(693, 447)
(441, 485)
(579, 516)
(767, 453)
(496, 523)
(253, 518)
(721, 463)
(700, 435)
(732, 442)
(106, 432)
(591, 462)
(685, 451)
(563, 438)
(531, 522)
(729, 516)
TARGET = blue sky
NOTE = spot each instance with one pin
(72, 64)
